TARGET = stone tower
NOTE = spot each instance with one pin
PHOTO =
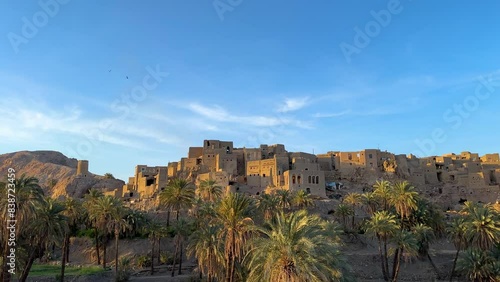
(82, 168)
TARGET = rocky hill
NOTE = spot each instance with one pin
(56, 173)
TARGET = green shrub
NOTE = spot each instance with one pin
(163, 258)
(143, 261)
(124, 270)
(90, 233)
(167, 259)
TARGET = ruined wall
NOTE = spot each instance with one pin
(227, 162)
(491, 158)
(172, 169)
(240, 161)
(221, 178)
(326, 162)
(476, 180)
(195, 152)
(191, 163)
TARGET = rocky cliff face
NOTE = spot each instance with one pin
(56, 173)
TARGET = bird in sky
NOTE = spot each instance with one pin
(127, 77)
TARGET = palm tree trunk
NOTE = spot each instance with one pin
(159, 250)
(97, 246)
(64, 256)
(117, 235)
(386, 259)
(394, 264)
(68, 246)
(168, 218)
(228, 268)
(353, 215)
(438, 274)
(454, 265)
(152, 256)
(175, 255)
(233, 260)
(180, 259)
(104, 253)
(27, 268)
(382, 260)
(397, 262)
(229, 260)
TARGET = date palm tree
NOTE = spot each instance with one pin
(234, 213)
(182, 229)
(301, 199)
(456, 233)
(482, 227)
(203, 212)
(343, 212)
(296, 247)
(154, 229)
(103, 212)
(406, 243)
(382, 190)
(425, 236)
(353, 199)
(73, 211)
(137, 220)
(430, 215)
(268, 204)
(49, 228)
(89, 202)
(383, 226)
(477, 265)
(119, 225)
(178, 195)
(370, 202)
(207, 248)
(209, 190)
(29, 197)
(403, 198)
(285, 198)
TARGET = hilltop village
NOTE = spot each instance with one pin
(451, 178)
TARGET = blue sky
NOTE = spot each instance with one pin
(417, 77)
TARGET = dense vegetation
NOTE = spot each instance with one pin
(272, 237)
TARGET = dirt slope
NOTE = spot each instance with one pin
(55, 171)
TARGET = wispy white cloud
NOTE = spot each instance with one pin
(371, 112)
(293, 104)
(35, 122)
(332, 114)
(219, 114)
